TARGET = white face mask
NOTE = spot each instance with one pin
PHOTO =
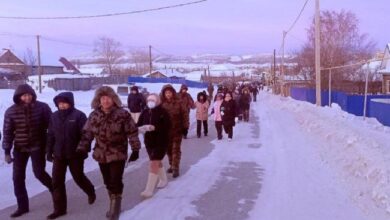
(151, 104)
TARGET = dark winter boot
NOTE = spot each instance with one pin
(55, 215)
(169, 170)
(18, 213)
(175, 173)
(91, 198)
(115, 206)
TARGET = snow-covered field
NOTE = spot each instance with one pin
(299, 162)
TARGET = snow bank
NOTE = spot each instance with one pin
(357, 150)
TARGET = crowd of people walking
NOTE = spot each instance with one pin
(65, 137)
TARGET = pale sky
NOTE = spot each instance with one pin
(215, 26)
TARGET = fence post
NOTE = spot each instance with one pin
(365, 94)
(330, 87)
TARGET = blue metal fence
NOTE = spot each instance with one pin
(189, 83)
(353, 104)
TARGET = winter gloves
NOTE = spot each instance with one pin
(8, 159)
(146, 128)
(134, 156)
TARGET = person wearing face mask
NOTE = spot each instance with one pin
(154, 122)
(228, 112)
(202, 108)
(64, 135)
(113, 128)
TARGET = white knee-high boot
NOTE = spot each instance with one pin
(150, 185)
(163, 179)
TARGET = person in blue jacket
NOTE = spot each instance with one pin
(65, 130)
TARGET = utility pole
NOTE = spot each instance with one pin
(318, 54)
(208, 68)
(274, 74)
(39, 65)
(150, 60)
(282, 66)
(330, 88)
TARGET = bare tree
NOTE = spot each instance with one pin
(341, 44)
(109, 52)
(30, 60)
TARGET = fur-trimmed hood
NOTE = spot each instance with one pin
(183, 86)
(105, 91)
(165, 88)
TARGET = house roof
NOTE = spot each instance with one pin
(168, 73)
(9, 58)
(385, 64)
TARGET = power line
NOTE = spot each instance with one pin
(293, 24)
(298, 17)
(159, 51)
(67, 42)
(103, 15)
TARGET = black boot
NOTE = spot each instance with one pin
(115, 206)
(55, 215)
(18, 213)
(169, 170)
(175, 173)
(91, 198)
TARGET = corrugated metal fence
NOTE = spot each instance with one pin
(353, 104)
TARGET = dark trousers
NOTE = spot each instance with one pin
(246, 114)
(199, 127)
(19, 174)
(254, 97)
(76, 168)
(112, 175)
(174, 153)
(218, 126)
(229, 130)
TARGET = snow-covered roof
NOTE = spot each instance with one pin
(168, 73)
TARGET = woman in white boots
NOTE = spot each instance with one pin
(154, 122)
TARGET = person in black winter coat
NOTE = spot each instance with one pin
(154, 121)
(245, 100)
(255, 91)
(228, 112)
(64, 135)
(135, 103)
(24, 131)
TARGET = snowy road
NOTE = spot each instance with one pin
(293, 161)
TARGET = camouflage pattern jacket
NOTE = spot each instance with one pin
(112, 132)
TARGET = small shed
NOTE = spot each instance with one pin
(385, 70)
